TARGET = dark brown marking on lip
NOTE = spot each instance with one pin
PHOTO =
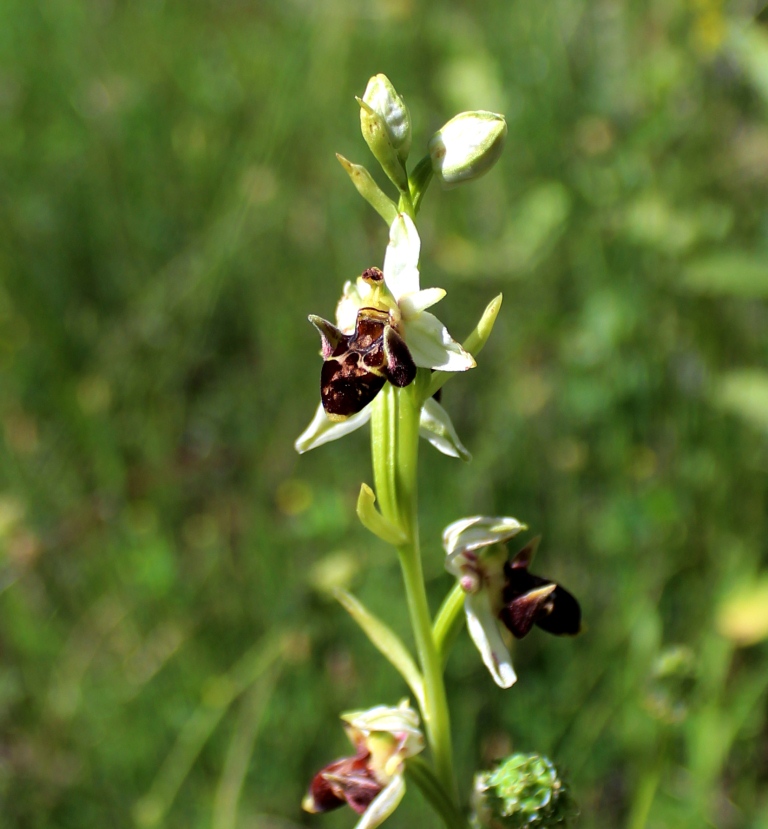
(357, 366)
(373, 276)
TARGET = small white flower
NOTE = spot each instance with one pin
(372, 782)
(501, 593)
(480, 572)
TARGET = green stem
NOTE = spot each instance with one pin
(423, 776)
(395, 444)
(406, 205)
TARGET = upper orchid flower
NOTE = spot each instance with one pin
(500, 592)
(383, 332)
(372, 781)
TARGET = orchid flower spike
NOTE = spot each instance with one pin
(372, 781)
(501, 593)
(383, 333)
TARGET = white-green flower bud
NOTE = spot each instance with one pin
(386, 127)
(382, 98)
(467, 146)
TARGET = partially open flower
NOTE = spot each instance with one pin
(501, 593)
(383, 331)
(371, 782)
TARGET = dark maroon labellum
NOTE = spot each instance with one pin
(531, 600)
(357, 365)
(349, 781)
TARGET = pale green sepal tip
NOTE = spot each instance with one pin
(474, 343)
(369, 190)
(479, 337)
(385, 641)
(374, 521)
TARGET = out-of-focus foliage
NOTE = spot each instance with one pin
(171, 210)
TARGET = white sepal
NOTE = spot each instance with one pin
(486, 634)
(431, 345)
(322, 430)
(435, 426)
(382, 806)
(394, 720)
(479, 531)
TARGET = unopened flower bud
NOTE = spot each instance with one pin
(382, 98)
(524, 791)
(467, 146)
(386, 126)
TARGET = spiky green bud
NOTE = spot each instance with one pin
(524, 791)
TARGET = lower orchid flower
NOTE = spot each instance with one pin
(372, 781)
(501, 593)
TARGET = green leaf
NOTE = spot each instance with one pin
(732, 273)
(369, 190)
(386, 641)
(258, 666)
(374, 521)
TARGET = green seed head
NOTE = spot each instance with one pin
(525, 790)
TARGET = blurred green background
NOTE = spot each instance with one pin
(170, 212)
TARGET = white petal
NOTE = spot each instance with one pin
(384, 718)
(352, 300)
(413, 304)
(485, 633)
(383, 804)
(479, 531)
(436, 427)
(321, 430)
(401, 261)
(431, 345)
